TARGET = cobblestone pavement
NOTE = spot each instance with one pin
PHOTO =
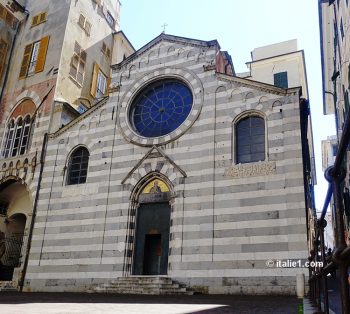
(67, 303)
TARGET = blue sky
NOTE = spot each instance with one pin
(240, 26)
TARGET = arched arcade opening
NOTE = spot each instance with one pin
(15, 206)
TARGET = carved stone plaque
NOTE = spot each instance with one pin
(254, 169)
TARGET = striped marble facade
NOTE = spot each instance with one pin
(226, 219)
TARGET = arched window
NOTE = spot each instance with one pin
(17, 137)
(78, 166)
(250, 139)
(9, 138)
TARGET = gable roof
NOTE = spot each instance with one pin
(168, 38)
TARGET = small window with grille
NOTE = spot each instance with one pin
(78, 166)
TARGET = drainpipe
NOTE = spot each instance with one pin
(35, 207)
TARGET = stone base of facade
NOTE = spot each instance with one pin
(212, 285)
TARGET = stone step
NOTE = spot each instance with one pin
(143, 284)
(154, 285)
(7, 286)
(145, 291)
(144, 279)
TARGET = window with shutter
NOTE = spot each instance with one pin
(81, 21)
(39, 18)
(105, 50)
(8, 17)
(35, 20)
(3, 54)
(101, 84)
(77, 67)
(40, 64)
(110, 19)
(42, 17)
(2, 12)
(25, 61)
(94, 80)
(87, 28)
(84, 24)
(34, 57)
(104, 47)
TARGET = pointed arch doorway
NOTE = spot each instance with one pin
(152, 229)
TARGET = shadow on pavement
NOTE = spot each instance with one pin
(214, 303)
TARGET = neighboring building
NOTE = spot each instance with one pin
(329, 151)
(280, 64)
(335, 56)
(55, 64)
(283, 65)
(186, 171)
(328, 232)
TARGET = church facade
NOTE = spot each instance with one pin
(185, 170)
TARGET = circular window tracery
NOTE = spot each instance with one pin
(160, 108)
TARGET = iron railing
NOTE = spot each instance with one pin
(340, 258)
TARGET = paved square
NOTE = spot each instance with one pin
(67, 303)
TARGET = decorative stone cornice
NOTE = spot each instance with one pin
(259, 85)
(168, 38)
(87, 113)
(19, 166)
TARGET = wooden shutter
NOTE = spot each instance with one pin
(104, 47)
(42, 17)
(3, 53)
(94, 81)
(35, 20)
(25, 61)
(40, 63)
(87, 28)
(2, 12)
(107, 87)
(81, 21)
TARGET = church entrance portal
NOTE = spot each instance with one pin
(151, 246)
(152, 239)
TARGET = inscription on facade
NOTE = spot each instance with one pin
(255, 169)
